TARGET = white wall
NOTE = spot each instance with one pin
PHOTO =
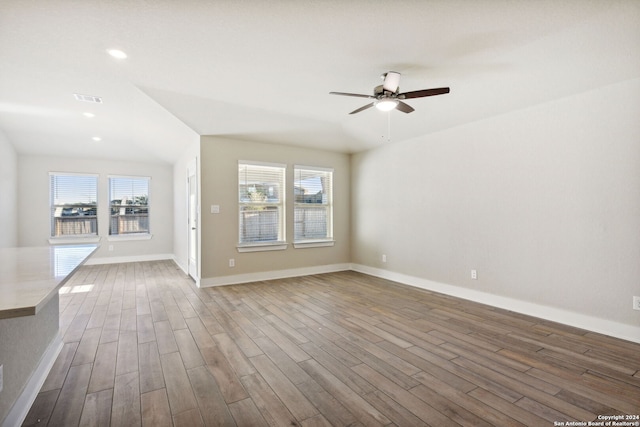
(543, 202)
(180, 205)
(8, 192)
(33, 204)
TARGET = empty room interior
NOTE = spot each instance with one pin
(320, 213)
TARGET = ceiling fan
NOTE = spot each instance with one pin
(387, 97)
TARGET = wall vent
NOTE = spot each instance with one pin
(88, 98)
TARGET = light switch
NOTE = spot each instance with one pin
(215, 209)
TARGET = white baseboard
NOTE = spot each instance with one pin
(133, 258)
(20, 408)
(271, 275)
(590, 323)
(578, 320)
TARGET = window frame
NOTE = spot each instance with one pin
(262, 245)
(328, 239)
(53, 207)
(143, 235)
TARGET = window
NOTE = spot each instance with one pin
(129, 205)
(74, 204)
(313, 209)
(261, 194)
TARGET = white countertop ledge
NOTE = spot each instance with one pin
(30, 276)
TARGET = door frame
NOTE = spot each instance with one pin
(193, 220)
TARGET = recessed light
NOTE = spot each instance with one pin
(97, 138)
(117, 53)
(90, 115)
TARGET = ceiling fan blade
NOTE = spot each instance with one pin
(405, 108)
(351, 94)
(391, 81)
(423, 93)
(362, 108)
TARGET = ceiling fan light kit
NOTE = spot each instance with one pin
(386, 104)
(387, 96)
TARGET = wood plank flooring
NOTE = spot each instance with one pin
(145, 347)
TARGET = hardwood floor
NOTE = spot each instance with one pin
(145, 347)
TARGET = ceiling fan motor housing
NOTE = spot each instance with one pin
(379, 90)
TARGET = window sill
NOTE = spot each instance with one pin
(259, 247)
(126, 237)
(313, 244)
(73, 240)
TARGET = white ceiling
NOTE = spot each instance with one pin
(262, 70)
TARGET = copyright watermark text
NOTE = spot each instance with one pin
(604, 421)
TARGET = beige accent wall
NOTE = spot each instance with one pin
(33, 202)
(8, 192)
(544, 203)
(219, 232)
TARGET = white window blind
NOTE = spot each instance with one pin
(129, 205)
(74, 206)
(313, 208)
(261, 195)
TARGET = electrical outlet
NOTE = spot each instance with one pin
(636, 303)
(110, 248)
(474, 274)
(384, 258)
(232, 262)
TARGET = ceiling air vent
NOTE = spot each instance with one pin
(88, 98)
